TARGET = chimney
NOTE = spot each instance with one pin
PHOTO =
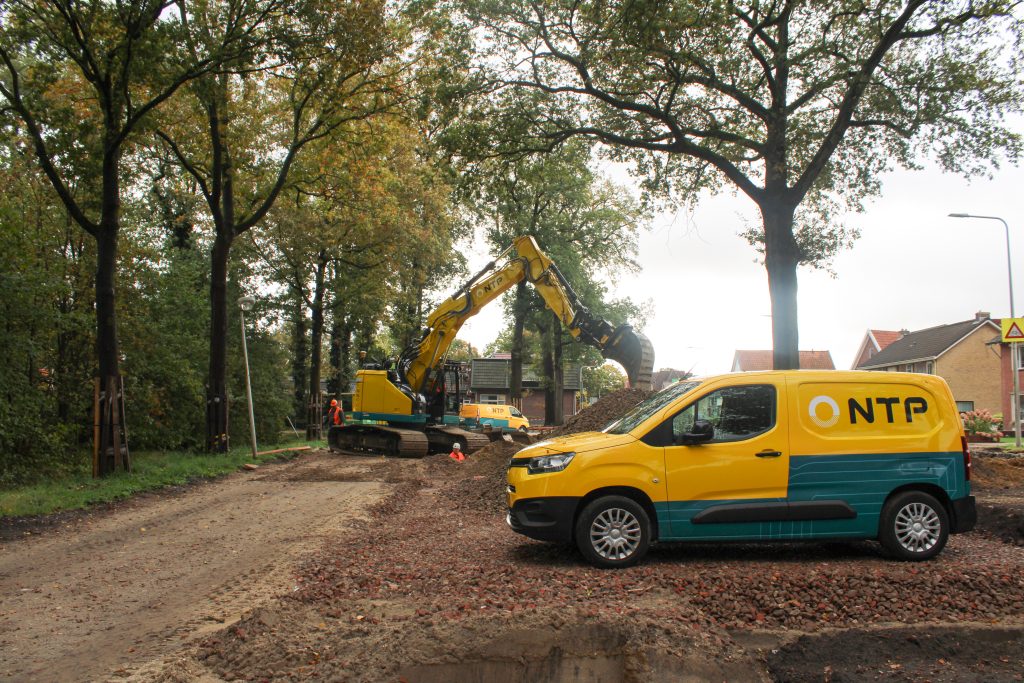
(981, 316)
(904, 332)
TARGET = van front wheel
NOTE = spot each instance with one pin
(914, 526)
(613, 532)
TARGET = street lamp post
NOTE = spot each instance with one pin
(1015, 361)
(245, 304)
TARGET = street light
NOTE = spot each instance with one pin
(246, 303)
(1015, 363)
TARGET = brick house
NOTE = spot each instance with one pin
(958, 352)
(490, 381)
(874, 341)
(750, 361)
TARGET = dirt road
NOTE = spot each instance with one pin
(366, 569)
(111, 590)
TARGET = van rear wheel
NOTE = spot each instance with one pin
(914, 526)
(613, 532)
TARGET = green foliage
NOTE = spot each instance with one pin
(801, 106)
(602, 380)
(150, 470)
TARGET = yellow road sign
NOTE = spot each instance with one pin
(1013, 329)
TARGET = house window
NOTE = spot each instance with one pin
(929, 367)
(1020, 354)
(909, 367)
(964, 406)
(492, 399)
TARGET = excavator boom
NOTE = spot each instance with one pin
(524, 260)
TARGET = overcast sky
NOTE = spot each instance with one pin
(913, 267)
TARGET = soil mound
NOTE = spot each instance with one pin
(608, 408)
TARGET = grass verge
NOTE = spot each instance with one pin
(150, 470)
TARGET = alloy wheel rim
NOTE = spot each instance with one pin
(615, 534)
(918, 527)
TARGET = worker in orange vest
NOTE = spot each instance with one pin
(335, 416)
(456, 453)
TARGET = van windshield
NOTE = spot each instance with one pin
(648, 407)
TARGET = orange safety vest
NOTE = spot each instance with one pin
(457, 455)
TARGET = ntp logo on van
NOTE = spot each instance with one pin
(824, 411)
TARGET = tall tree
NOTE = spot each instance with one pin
(586, 224)
(125, 56)
(799, 105)
(312, 68)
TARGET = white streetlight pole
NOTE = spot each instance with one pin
(245, 304)
(1015, 357)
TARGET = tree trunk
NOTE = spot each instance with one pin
(558, 375)
(299, 355)
(518, 329)
(549, 332)
(112, 442)
(782, 256)
(217, 391)
(316, 337)
(341, 353)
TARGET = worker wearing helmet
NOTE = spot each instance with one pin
(335, 416)
(456, 453)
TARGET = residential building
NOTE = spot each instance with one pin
(666, 376)
(874, 341)
(958, 352)
(490, 381)
(750, 361)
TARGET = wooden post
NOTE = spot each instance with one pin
(315, 419)
(110, 441)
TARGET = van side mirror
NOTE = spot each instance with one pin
(701, 432)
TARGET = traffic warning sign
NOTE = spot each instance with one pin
(1013, 329)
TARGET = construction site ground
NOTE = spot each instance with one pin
(357, 568)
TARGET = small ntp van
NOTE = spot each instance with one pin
(505, 418)
(785, 455)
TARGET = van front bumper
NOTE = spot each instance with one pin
(544, 519)
(965, 515)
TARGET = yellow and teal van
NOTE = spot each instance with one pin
(784, 455)
(504, 417)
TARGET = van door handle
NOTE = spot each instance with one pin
(768, 454)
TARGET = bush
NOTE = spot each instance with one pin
(31, 447)
(981, 423)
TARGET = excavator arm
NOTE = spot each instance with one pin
(523, 260)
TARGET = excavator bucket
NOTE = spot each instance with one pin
(634, 352)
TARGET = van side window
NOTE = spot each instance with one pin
(515, 412)
(736, 413)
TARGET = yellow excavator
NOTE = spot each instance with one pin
(399, 407)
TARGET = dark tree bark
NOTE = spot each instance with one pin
(299, 353)
(316, 337)
(518, 329)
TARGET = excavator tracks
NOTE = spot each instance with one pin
(402, 443)
(379, 440)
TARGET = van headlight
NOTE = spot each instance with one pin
(549, 463)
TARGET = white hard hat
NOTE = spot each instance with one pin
(457, 446)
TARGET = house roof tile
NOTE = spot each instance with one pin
(762, 360)
(885, 337)
(926, 344)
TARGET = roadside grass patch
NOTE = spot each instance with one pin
(151, 470)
